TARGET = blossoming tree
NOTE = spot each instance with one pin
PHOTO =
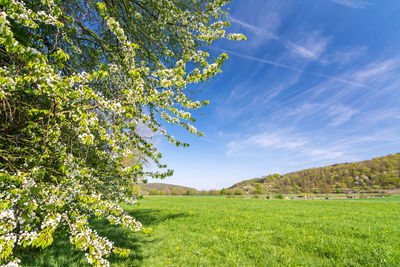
(77, 80)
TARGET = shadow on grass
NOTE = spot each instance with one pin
(151, 217)
(62, 253)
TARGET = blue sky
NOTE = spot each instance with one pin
(316, 83)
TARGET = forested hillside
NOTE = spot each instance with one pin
(166, 189)
(371, 175)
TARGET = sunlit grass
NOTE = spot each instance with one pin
(215, 231)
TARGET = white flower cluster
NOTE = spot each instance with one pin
(26, 16)
(51, 221)
(86, 138)
(14, 263)
(7, 221)
(7, 214)
(7, 243)
(85, 238)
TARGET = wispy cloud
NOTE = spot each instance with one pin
(248, 101)
(266, 61)
(378, 116)
(375, 69)
(335, 114)
(282, 141)
(346, 56)
(285, 66)
(304, 149)
(332, 121)
(268, 139)
(352, 3)
(311, 46)
(310, 53)
(334, 104)
(380, 75)
(340, 114)
(260, 31)
(323, 154)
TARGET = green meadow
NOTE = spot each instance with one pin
(217, 231)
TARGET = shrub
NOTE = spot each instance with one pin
(259, 189)
(239, 191)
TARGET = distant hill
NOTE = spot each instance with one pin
(375, 175)
(166, 189)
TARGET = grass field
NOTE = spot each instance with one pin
(216, 231)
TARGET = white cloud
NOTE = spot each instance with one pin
(337, 114)
(311, 46)
(345, 56)
(373, 70)
(360, 84)
(264, 31)
(271, 140)
(266, 61)
(340, 114)
(377, 116)
(352, 3)
(246, 101)
(349, 55)
(285, 66)
(284, 141)
(308, 148)
(305, 52)
(323, 154)
(268, 140)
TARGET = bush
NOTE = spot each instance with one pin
(259, 189)
(190, 192)
(239, 191)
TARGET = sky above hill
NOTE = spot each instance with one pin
(316, 83)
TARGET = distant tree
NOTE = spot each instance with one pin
(166, 191)
(154, 192)
(229, 192)
(191, 192)
(239, 191)
(214, 192)
(325, 188)
(259, 189)
(223, 191)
